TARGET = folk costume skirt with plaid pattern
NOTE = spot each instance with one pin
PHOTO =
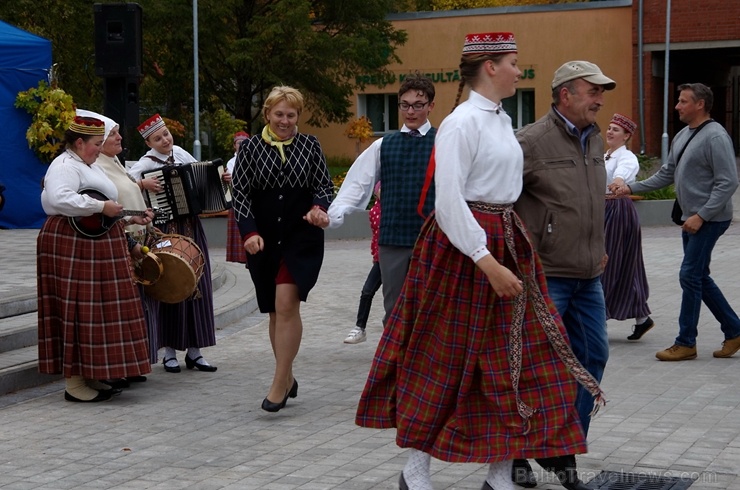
(624, 280)
(189, 323)
(234, 244)
(442, 373)
(91, 322)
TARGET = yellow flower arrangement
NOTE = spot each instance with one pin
(53, 110)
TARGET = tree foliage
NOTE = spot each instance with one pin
(69, 27)
(245, 48)
(316, 46)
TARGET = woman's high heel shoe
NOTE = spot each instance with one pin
(193, 363)
(269, 406)
(293, 389)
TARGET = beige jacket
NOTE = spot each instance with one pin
(562, 201)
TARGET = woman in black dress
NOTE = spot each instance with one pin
(282, 189)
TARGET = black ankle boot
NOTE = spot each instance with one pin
(564, 468)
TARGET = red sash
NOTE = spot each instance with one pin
(427, 182)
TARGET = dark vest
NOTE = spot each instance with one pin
(403, 165)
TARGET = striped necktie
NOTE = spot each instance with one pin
(414, 133)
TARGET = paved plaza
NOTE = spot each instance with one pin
(196, 430)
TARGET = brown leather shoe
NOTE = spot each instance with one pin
(729, 347)
(677, 353)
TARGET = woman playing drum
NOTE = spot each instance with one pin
(189, 324)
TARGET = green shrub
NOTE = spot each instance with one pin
(338, 167)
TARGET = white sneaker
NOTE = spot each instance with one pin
(356, 335)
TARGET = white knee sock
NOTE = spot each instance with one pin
(416, 472)
(169, 354)
(499, 475)
(194, 353)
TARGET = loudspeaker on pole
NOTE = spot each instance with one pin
(118, 39)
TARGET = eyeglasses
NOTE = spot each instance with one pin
(405, 106)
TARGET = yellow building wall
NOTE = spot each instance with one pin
(545, 40)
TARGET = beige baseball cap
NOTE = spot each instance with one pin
(582, 69)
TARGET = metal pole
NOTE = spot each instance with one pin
(664, 138)
(196, 101)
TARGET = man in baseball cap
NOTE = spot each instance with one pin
(582, 69)
(562, 205)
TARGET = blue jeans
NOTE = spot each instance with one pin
(372, 284)
(698, 286)
(580, 303)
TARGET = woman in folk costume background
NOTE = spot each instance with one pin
(474, 363)
(624, 280)
(91, 324)
(282, 189)
(188, 325)
(129, 196)
(234, 246)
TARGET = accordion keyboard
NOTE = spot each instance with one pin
(188, 189)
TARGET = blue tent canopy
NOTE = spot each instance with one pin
(25, 59)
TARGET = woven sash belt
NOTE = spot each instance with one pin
(532, 292)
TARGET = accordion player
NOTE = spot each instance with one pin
(188, 189)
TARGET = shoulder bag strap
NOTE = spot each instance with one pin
(692, 137)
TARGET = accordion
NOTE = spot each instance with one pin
(188, 189)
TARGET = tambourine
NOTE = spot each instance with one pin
(148, 270)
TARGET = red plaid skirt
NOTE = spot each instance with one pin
(442, 373)
(234, 244)
(91, 322)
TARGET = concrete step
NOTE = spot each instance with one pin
(233, 299)
(17, 302)
(19, 370)
(18, 332)
(18, 327)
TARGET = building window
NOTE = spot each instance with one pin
(381, 109)
(520, 108)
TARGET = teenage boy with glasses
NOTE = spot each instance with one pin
(400, 160)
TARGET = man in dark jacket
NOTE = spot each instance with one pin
(562, 204)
